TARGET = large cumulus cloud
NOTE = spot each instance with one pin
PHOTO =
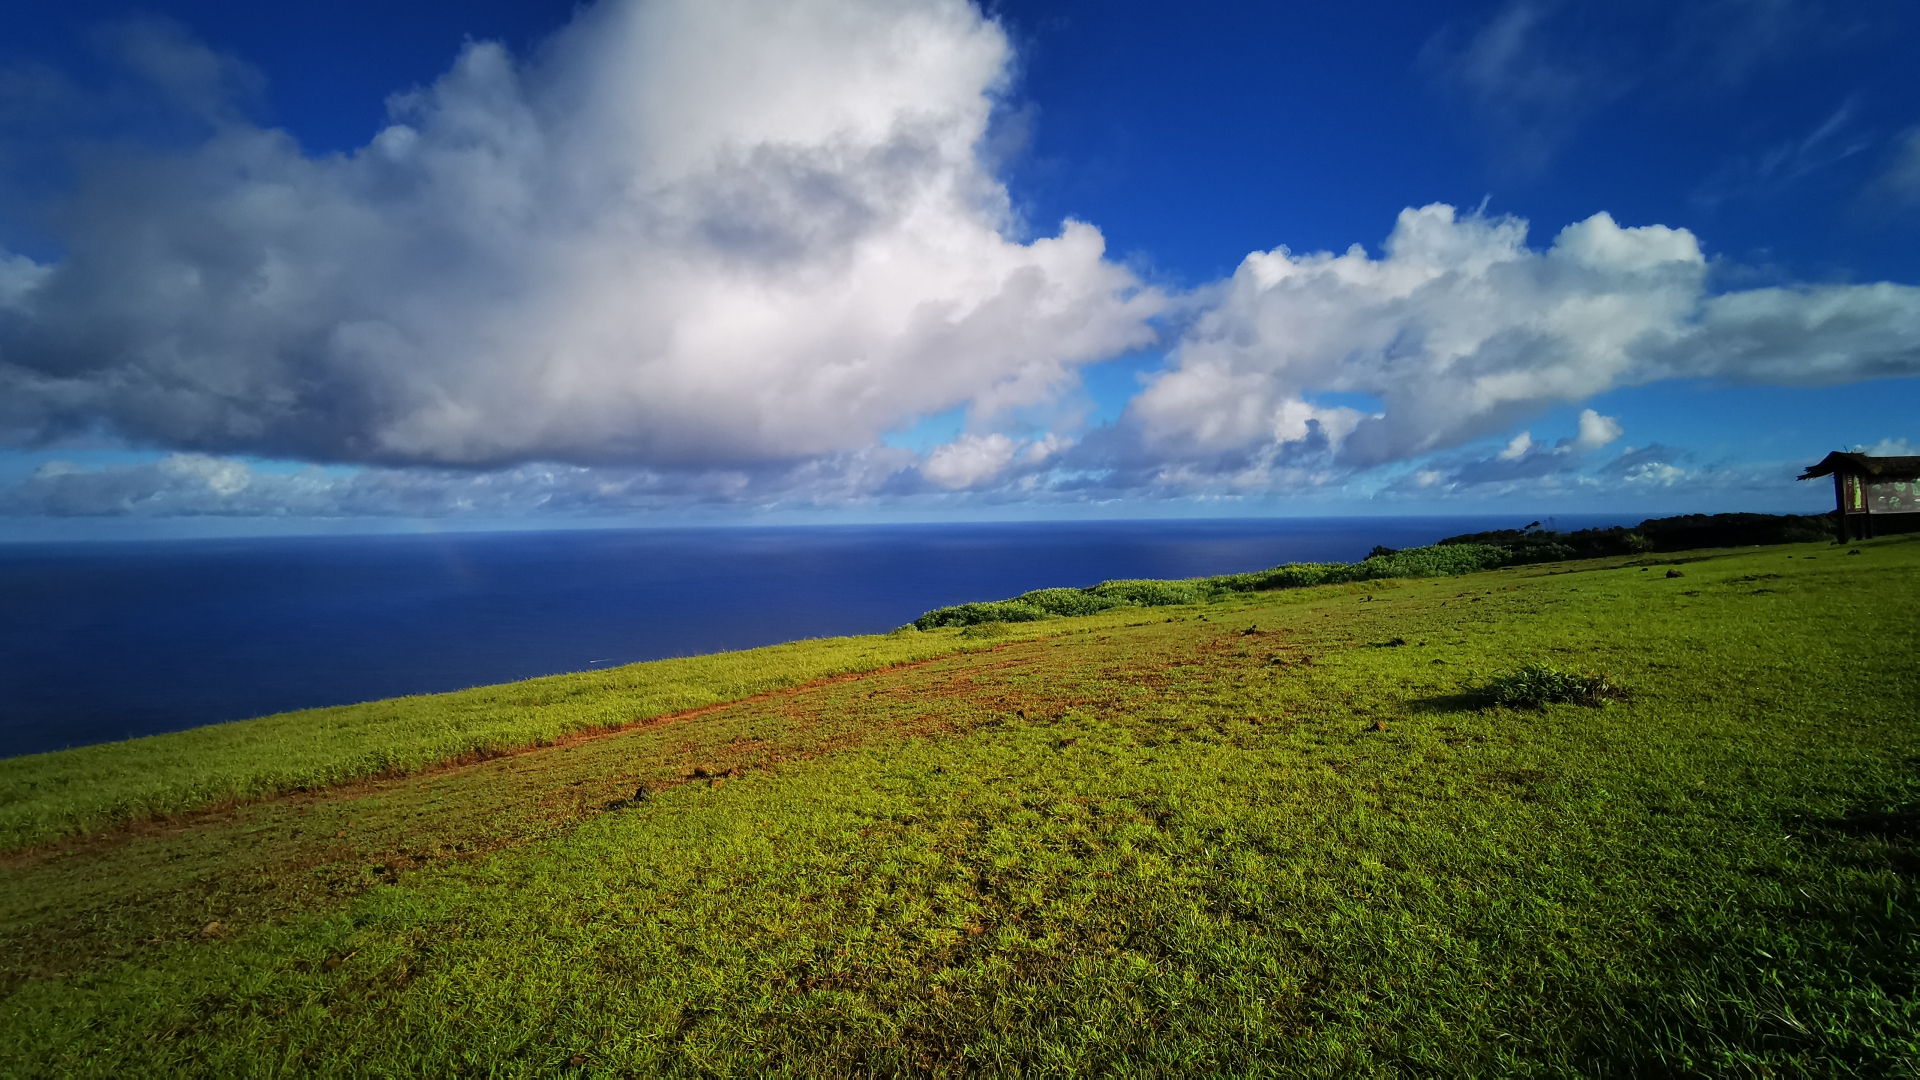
(712, 251)
(688, 233)
(1460, 331)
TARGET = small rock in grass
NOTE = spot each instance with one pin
(1377, 725)
(212, 929)
(577, 1060)
(1675, 573)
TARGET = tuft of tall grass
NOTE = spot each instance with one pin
(1538, 685)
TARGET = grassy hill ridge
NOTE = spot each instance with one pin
(1284, 832)
(1453, 555)
(46, 796)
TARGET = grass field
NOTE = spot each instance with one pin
(46, 796)
(1276, 833)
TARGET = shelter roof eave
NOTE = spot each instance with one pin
(1879, 468)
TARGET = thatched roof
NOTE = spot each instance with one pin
(1879, 468)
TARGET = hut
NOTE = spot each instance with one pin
(1872, 495)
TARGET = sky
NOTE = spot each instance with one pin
(492, 264)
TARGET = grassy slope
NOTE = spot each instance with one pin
(43, 796)
(1166, 846)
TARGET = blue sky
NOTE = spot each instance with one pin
(368, 266)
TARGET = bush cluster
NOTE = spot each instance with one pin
(1537, 685)
(1433, 561)
(1683, 533)
(1454, 555)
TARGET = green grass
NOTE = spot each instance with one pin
(1281, 833)
(45, 796)
(1438, 560)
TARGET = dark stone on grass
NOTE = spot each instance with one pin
(640, 795)
(1675, 573)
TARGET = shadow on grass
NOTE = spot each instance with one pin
(1439, 704)
(1818, 987)
(1532, 688)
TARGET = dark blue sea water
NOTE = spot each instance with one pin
(106, 641)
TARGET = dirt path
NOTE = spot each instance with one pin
(84, 903)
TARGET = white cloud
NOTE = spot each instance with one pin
(1798, 336)
(1461, 330)
(19, 277)
(1900, 182)
(1596, 431)
(201, 485)
(1523, 463)
(691, 232)
(710, 250)
(1535, 70)
(1889, 448)
(1529, 92)
(1656, 474)
(970, 459)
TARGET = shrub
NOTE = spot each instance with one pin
(1149, 593)
(1436, 561)
(1537, 685)
(1683, 533)
(994, 611)
(1067, 601)
(1290, 576)
(1044, 603)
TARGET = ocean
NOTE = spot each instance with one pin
(111, 640)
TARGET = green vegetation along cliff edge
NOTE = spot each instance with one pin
(1644, 814)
